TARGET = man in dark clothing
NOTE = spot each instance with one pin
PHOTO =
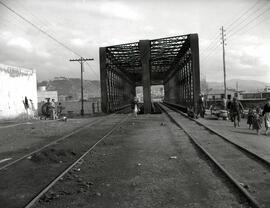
(26, 106)
(266, 114)
(59, 109)
(229, 104)
(236, 108)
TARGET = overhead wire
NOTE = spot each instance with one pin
(232, 27)
(243, 14)
(43, 31)
(249, 22)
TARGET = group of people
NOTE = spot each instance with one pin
(256, 116)
(52, 110)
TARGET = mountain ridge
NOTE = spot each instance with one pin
(71, 87)
(243, 85)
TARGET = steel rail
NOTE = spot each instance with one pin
(58, 140)
(54, 181)
(244, 149)
(51, 143)
(245, 193)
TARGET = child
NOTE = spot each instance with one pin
(250, 118)
(257, 121)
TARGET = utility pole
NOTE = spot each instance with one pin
(224, 63)
(81, 61)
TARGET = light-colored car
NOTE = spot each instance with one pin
(219, 113)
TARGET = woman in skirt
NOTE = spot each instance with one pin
(266, 114)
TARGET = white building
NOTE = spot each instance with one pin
(267, 89)
(43, 94)
(16, 84)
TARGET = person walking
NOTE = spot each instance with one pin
(236, 109)
(26, 106)
(53, 106)
(228, 106)
(60, 109)
(201, 103)
(257, 120)
(134, 106)
(266, 114)
(250, 118)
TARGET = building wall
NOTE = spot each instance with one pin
(42, 95)
(15, 84)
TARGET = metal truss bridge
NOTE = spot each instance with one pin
(171, 61)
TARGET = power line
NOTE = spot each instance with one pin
(92, 69)
(38, 28)
(235, 24)
(210, 49)
(258, 23)
(43, 31)
(23, 8)
(45, 23)
(248, 23)
(246, 19)
(243, 14)
(210, 54)
(212, 39)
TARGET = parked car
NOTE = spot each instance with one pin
(219, 113)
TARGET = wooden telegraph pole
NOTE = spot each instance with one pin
(224, 63)
(81, 61)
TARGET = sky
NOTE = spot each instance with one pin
(86, 25)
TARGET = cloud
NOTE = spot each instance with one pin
(21, 42)
(118, 9)
(43, 53)
(80, 42)
(86, 25)
(246, 58)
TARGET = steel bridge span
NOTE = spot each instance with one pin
(171, 61)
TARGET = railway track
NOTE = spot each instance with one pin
(248, 172)
(14, 160)
(23, 182)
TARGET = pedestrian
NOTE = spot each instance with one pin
(211, 109)
(250, 118)
(60, 109)
(201, 106)
(228, 106)
(236, 109)
(257, 120)
(134, 106)
(53, 110)
(266, 114)
(26, 106)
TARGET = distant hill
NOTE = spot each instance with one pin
(245, 85)
(72, 87)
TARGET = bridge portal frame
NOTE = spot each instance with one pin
(171, 61)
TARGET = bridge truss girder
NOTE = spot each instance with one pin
(172, 61)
